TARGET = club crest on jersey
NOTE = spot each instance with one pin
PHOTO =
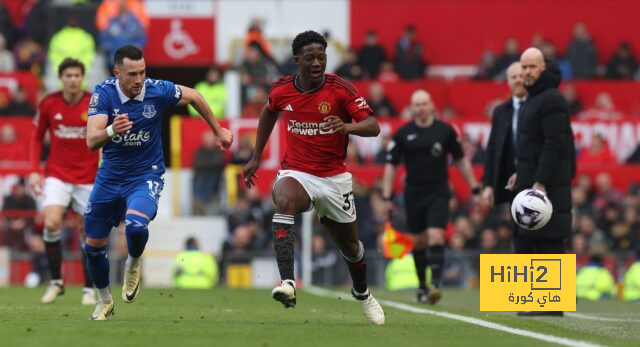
(324, 107)
(436, 149)
(94, 100)
(149, 111)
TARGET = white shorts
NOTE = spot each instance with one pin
(332, 197)
(57, 192)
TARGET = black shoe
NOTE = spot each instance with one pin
(541, 313)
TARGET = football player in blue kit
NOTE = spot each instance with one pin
(125, 121)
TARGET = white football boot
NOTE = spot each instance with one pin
(103, 310)
(285, 293)
(372, 309)
(131, 286)
(53, 292)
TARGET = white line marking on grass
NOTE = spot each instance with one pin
(604, 319)
(483, 323)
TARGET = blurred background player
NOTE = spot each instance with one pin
(125, 120)
(70, 169)
(317, 110)
(423, 145)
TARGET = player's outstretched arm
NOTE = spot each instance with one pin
(192, 97)
(266, 123)
(98, 133)
(367, 127)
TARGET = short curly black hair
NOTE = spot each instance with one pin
(306, 38)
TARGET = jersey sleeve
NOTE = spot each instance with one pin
(355, 104)
(99, 102)
(395, 149)
(454, 145)
(170, 92)
(273, 100)
(41, 124)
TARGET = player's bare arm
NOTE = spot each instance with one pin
(368, 127)
(97, 133)
(266, 123)
(194, 98)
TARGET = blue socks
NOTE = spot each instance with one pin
(98, 265)
(137, 234)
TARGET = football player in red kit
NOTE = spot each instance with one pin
(319, 112)
(70, 168)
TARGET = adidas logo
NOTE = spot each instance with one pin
(58, 116)
(289, 108)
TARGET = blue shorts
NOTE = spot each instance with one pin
(109, 202)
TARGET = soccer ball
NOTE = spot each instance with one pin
(531, 209)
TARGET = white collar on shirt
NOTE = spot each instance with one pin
(516, 101)
(124, 98)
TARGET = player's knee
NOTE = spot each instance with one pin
(96, 243)
(51, 235)
(286, 204)
(94, 251)
(353, 251)
(52, 223)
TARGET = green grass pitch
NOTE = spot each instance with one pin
(226, 317)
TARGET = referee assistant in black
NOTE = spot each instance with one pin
(424, 145)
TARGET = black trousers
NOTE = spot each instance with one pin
(525, 244)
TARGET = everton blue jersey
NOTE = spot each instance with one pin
(138, 152)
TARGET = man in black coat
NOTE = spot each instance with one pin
(499, 164)
(545, 155)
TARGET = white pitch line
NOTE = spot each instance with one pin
(483, 323)
(604, 319)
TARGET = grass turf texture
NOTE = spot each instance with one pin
(167, 317)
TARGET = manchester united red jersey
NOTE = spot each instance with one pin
(69, 158)
(310, 148)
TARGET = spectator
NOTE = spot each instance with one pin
(387, 73)
(109, 9)
(504, 232)
(381, 156)
(372, 55)
(244, 152)
(586, 226)
(581, 202)
(582, 53)
(208, 165)
(255, 38)
(571, 95)
(488, 241)
(607, 193)
(33, 23)
(214, 92)
(487, 69)
(7, 28)
(603, 109)
(464, 227)
(409, 62)
(598, 153)
(632, 282)
(193, 268)
(550, 53)
(510, 55)
(19, 104)
(456, 264)
(7, 61)
(29, 55)
(254, 71)
(381, 106)
(123, 29)
(350, 69)
(594, 282)
(22, 233)
(621, 237)
(257, 97)
(623, 64)
(83, 47)
(472, 150)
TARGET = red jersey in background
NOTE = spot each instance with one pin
(70, 160)
(310, 148)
